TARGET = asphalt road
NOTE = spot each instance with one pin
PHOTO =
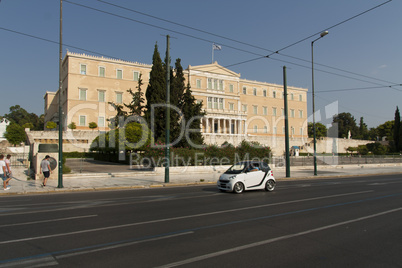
(340, 222)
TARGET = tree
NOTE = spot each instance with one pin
(51, 125)
(28, 125)
(15, 134)
(192, 113)
(20, 116)
(136, 106)
(386, 130)
(177, 88)
(156, 94)
(321, 130)
(363, 131)
(397, 130)
(92, 125)
(120, 114)
(345, 122)
(72, 126)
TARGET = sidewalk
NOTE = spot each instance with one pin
(147, 179)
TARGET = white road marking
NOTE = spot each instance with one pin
(174, 218)
(119, 245)
(52, 220)
(268, 241)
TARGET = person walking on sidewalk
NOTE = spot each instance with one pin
(3, 171)
(9, 173)
(45, 168)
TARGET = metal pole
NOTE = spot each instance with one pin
(286, 123)
(60, 178)
(167, 155)
(312, 88)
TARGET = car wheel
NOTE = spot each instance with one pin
(270, 185)
(238, 188)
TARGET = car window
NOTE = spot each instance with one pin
(236, 168)
(265, 166)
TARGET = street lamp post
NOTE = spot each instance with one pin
(312, 88)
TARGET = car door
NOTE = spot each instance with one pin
(254, 179)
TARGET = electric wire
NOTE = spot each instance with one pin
(254, 46)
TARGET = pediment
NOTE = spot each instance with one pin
(213, 68)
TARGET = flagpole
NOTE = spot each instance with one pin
(212, 53)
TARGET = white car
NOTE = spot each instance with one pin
(247, 175)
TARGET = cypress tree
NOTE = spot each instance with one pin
(192, 113)
(177, 88)
(156, 94)
(397, 130)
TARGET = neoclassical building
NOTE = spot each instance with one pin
(236, 108)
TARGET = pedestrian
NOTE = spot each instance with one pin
(3, 173)
(9, 173)
(45, 168)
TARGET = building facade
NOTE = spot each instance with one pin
(236, 108)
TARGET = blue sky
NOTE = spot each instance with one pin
(368, 45)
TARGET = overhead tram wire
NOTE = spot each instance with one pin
(333, 26)
(158, 27)
(261, 56)
(254, 46)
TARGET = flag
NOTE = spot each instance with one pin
(214, 46)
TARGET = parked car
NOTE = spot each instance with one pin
(247, 175)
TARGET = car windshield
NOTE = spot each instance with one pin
(236, 168)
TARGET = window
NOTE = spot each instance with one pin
(283, 130)
(300, 97)
(83, 94)
(274, 94)
(210, 83)
(83, 120)
(209, 102)
(220, 84)
(101, 96)
(83, 69)
(231, 106)
(244, 107)
(101, 121)
(244, 90)
(265, 129)
(274, 111)
(274, 130)
(136, 76)
(255, 109)
(301, 131)
(231, 88)
(119, 97)
(221, 103)
(215, 103)
(264, 110)
(283, 112)
(292, 130)
(292, 97)
(254, 91)
(255, 129)
(292, 113)
(119, 74)
(101, 71)
(198, 83)
(215, 84)
(264, 92)
(300, 113)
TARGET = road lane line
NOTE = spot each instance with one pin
(46, 258)
(118, 245)
(268, 241)
(60, 219)
(174, 218)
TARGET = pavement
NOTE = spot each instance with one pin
(138, 179)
